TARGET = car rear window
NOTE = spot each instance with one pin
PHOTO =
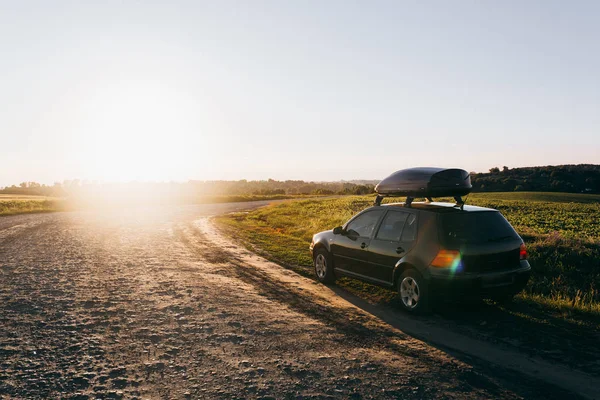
(475, 227)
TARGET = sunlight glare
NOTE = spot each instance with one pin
(140, 132)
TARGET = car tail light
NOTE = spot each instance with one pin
(446, 259)
(523, 252)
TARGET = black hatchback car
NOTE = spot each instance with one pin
(426, 251)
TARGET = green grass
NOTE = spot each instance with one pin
(560, 230)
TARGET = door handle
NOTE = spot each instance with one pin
(363, 245)
(399, 250)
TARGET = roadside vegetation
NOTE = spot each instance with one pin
(562, 236)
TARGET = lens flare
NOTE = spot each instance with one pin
(457, 265)
(450, 259)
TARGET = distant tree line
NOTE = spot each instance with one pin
(273, 187)
(582, 178)
(35, 189)
(197, 188)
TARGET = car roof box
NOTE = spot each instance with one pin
(426, 182)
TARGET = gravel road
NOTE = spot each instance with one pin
(157, 304)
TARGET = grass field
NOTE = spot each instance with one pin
(20, 204)
(560, 230)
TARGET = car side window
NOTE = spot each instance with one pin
(410, 228)
(364, 224)
(392, 226)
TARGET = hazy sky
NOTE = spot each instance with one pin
(323, 90)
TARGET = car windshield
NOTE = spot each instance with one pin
(475, 227)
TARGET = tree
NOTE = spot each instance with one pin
(494, 170)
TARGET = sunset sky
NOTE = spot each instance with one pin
(313, 90)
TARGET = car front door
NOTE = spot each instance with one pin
(394, 239)
(350, 248)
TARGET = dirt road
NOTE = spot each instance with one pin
(155, 303)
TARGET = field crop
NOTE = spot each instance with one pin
(547, 213)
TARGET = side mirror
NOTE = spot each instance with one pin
(338, 230)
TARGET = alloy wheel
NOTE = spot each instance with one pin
(321, 266)
(409, 292)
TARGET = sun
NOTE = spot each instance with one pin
(143, 132)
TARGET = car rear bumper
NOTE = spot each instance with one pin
(490, 284)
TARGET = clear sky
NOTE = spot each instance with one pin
(314, 90)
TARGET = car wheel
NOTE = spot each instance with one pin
(413, 293)
(323, 266)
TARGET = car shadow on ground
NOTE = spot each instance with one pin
(568, 338)
(507, 340)
(529, 328)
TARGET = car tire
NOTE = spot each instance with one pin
(323, 266)
(413, 292)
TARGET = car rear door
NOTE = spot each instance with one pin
(350, 248)
(394, 239)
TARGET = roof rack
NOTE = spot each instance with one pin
(409, 199)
